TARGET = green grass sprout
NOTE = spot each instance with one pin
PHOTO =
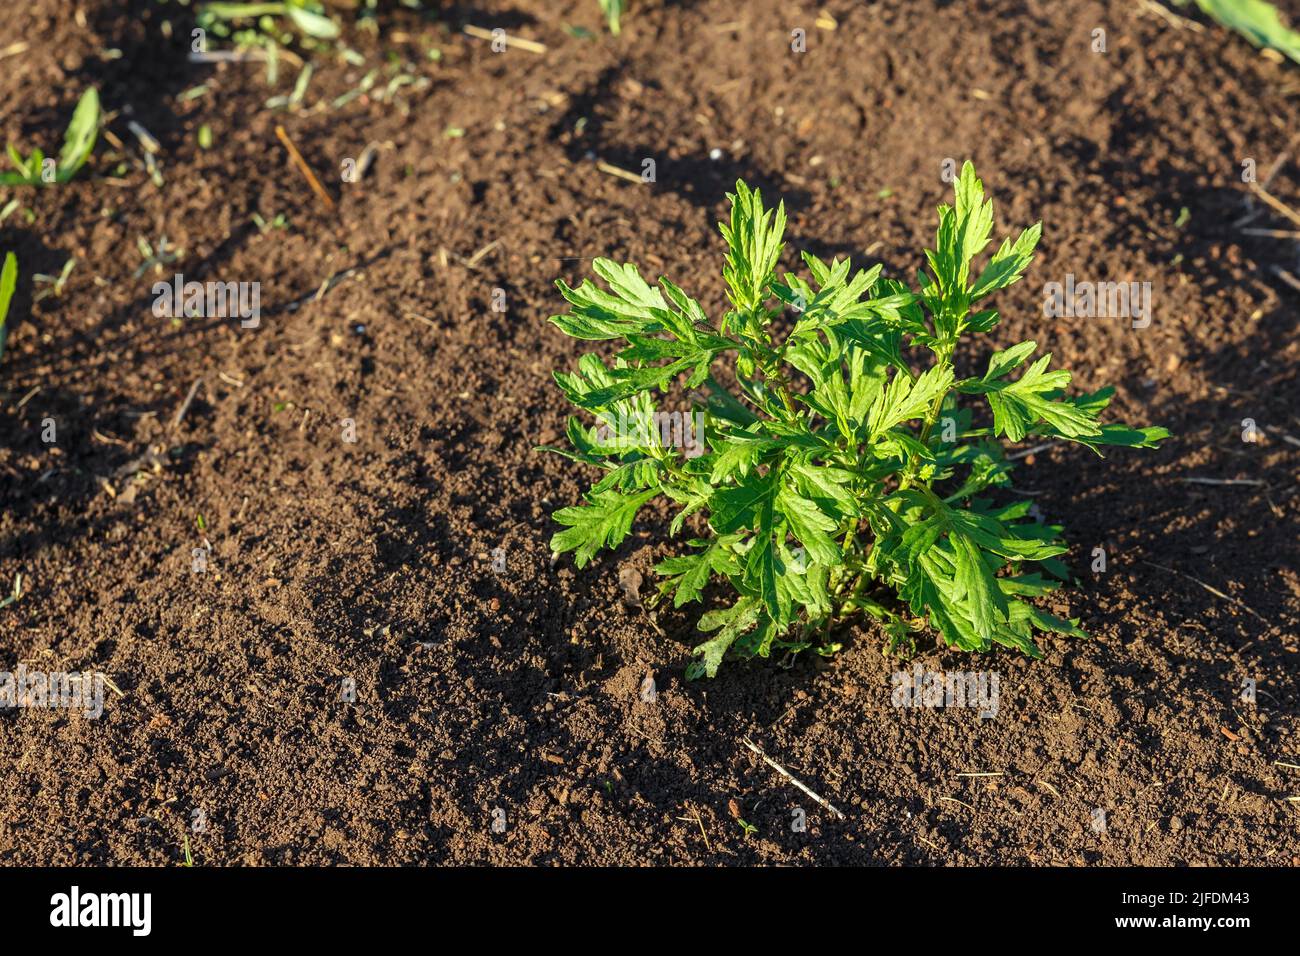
(8, 282)
(613, 11)
(1257, 21)
(15, 595)
(53, 284)
(305, 16)
(78, 143)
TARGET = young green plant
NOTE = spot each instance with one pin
(844, 474)
(307, 16)
(613, 11)
(1257, 21)
(8, 282)
(78, 142)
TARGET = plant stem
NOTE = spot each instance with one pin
(944, 354)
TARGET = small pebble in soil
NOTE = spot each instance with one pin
(629, 580)
(715, 154)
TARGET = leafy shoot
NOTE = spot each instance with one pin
(847, 472)
(78, 142)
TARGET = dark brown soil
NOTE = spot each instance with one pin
(480, 690)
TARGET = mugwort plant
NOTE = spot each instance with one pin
(845, 472)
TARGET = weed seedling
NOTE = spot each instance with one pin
(155, 257)
(78, 141)
(613, 11)
(8, 282)
(306, 16)
(1258, 21)
(279, 222)
(53, 284)
(843, 474)
(15, 594)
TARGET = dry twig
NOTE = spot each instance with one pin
(785, 773)
(301, 163)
